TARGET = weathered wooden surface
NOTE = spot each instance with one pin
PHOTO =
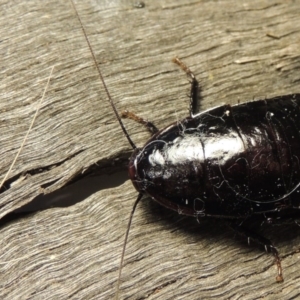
(74, 251)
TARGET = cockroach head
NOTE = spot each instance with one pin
(132, 168)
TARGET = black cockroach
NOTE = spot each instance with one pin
(231, 162)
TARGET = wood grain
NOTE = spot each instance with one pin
(239, 51)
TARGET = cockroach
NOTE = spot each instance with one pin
(229, 162)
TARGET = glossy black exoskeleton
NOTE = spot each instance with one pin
(232, 162)
(229, 161)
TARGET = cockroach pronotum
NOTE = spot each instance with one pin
(231, 162)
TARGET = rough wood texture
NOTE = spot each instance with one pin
(239, 51)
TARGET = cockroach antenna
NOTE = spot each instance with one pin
(102, 79)
(149, 125)
(125, 243)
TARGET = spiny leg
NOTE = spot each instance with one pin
(194, 94)
(260, 240)
(149, 125)
(194, 97)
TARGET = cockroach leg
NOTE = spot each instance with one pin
(194, 93)
(149, 125)
(194, 98)
(260, 240)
